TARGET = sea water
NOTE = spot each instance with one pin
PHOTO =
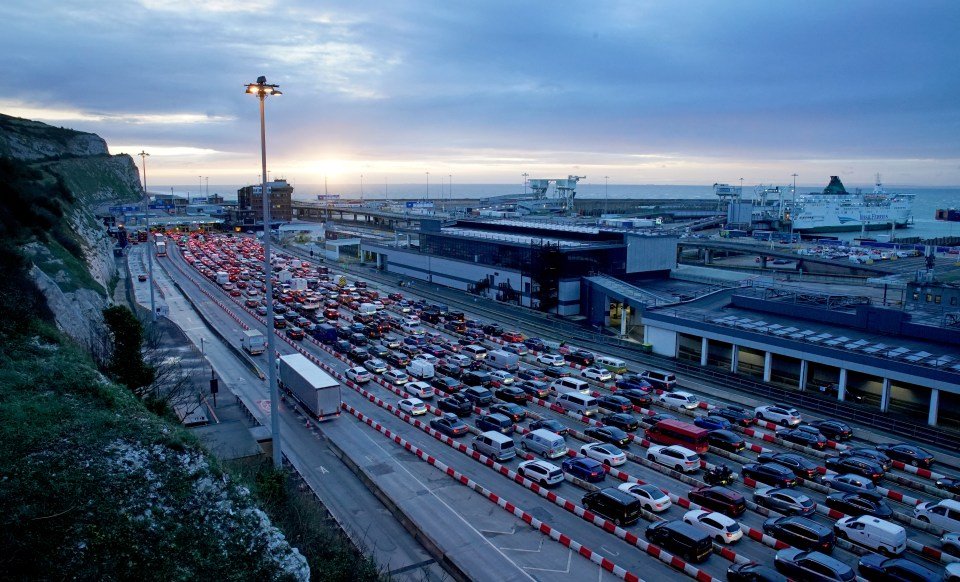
(925, 225)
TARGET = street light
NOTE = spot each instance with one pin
(201, 187)
(793, 207)
(146, 217)
(524, 182)
(605, 178)
(261, 89)
(361, 188)
(428, 185)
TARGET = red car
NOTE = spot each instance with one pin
(331, 313)
(512, 336)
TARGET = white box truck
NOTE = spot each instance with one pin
(254, 342)
(314, 389)
(503, 360)
(223, 277)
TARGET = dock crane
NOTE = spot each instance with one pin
(566, 189)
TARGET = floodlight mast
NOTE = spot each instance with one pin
(262, 90)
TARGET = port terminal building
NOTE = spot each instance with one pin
(889, 359)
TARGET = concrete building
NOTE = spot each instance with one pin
(537, 264)
(250, 203)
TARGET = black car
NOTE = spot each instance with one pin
(735, 414)
(880, 569)
(770, 473)
(448, 369)
(397, 360)
(833, 429)
(726, 440)
(358, 354)
(535, 374)
(534, 388)
(858, 465)
(753, 572)
(342, 346)
(854, 504)
(551, 425)
(493, 329)
(869, 453)
(950, 484)
(806, 436)
(614, 403)
(621, 420)
(907, 454)
(477, 378)
(801, 532)
(535, 343)
(479, 395)
(557, 371)
(511, 394)
(632, 381)
(456, 404)
(513, 411)
(636, 396)
(377, 351)
(446, 384)
(608, 434)
(580, 357)
(811, 565)
(450, 425)
(649, 420)
(801, 466)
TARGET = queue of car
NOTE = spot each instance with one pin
(511, 390)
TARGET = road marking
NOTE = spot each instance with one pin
(565, 570)
(323, 470)
(539, 547)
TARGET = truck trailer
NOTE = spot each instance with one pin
(316, 391)
(161, 248)
(254, 342)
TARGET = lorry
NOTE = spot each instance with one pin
(316, 391)
(161, 248)
(223, 277)
(325, 333)
(253, 342)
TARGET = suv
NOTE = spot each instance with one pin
(495, 422)
(618, 506)
(660, 379)
(682, 539)
(800, 532)
(479, 395)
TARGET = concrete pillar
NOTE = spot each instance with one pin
(734, 357)
(623, 320)
(804, 370)
(934, 407)
(842, 385)
(704, 352)
(885, 396)
(707, 257)
(767, 366)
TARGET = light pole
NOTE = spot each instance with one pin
(261, 89)
(201, 188)
(605, 198)
(428, 185)
(450, 190)
(524, 182)
(793, 207)
(361, 188)
(146, 218)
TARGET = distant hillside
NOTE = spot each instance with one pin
(93, 484)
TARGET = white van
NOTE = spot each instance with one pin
(569, 384)
(579, 403)
(543, 442)
(474, 351)
(613, 365)
(421, 369)
(503, 360)
(367, 309)
(495, 445)
(877, 534)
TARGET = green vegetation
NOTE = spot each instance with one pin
(94, 485)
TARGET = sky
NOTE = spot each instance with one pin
(639, 91)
